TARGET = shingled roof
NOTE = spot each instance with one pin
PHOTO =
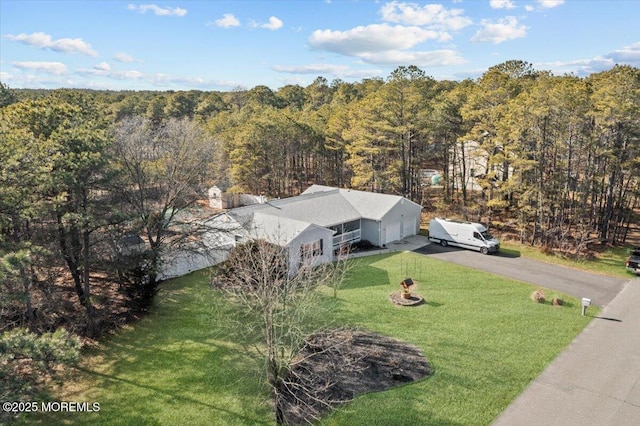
(319, 206)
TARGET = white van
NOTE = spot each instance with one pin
(462, 234)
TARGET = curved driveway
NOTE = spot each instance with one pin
(601, 289)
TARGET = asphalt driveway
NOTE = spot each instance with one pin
(601, 289)
(595, 381)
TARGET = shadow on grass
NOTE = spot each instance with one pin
(174, 396)
(565, 304)
(366, 276)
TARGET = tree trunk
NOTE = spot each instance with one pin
(70, 259)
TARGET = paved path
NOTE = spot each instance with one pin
(596, 380)
(601, 289)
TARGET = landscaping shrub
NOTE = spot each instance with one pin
(29, 360)
(538, 296)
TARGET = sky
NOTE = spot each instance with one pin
(226, 45)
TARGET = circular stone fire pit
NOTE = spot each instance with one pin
(398, 298)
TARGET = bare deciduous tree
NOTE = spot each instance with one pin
(280, 308)
(164, 171)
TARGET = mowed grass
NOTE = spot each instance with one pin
(482, 334)
(610, 261)
(174, 367)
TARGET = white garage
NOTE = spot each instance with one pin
(384, 218)
(392, 233)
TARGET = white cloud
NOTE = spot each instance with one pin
(56, 68)
(102, 66)
(123, 57)
(372, 38)
(434, 16)
(548, 4)
(127, 75)
(104, 70)
(167, 80)
(581, 67)
(311, 68)
(504, 29)
(44, 41)
(274, 24)
(421, 58)
(5, 76)
(627, 55)
(327, 69)
(228, 20)
(502, 4)
(386, 45)
(157, 10)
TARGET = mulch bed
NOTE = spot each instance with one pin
(335, 366)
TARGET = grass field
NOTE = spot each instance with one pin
(482, 334)
(608, 262)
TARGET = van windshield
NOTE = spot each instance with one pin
(487, 236)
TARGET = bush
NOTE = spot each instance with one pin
(28, 361)
(538, 296)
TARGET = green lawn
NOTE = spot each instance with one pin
(610, 261)
(483, 335)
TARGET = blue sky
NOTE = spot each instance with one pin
(222, 45)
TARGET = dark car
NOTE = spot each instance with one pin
(633, 261)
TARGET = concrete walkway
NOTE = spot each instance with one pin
(596, 380)
(406, 244)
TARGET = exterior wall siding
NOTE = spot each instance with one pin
(371, 231)
(402, 220)
(308, 236)
(399, 214)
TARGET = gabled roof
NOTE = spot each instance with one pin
(323, 209)
(369, 205)
(280, 230)
(281, 221)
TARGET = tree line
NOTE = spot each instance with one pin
(74, 185)
(555, 159)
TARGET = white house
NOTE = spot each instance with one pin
(313, 226)
(220, 199)
(131, 244)
(470, 163)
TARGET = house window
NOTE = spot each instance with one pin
(309, 250)
(352, 226)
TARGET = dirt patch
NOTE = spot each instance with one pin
(56, 304)
(336, 366)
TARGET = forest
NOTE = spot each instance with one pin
(554, 160)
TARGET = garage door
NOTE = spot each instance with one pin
(409, 227)
(393, 232)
